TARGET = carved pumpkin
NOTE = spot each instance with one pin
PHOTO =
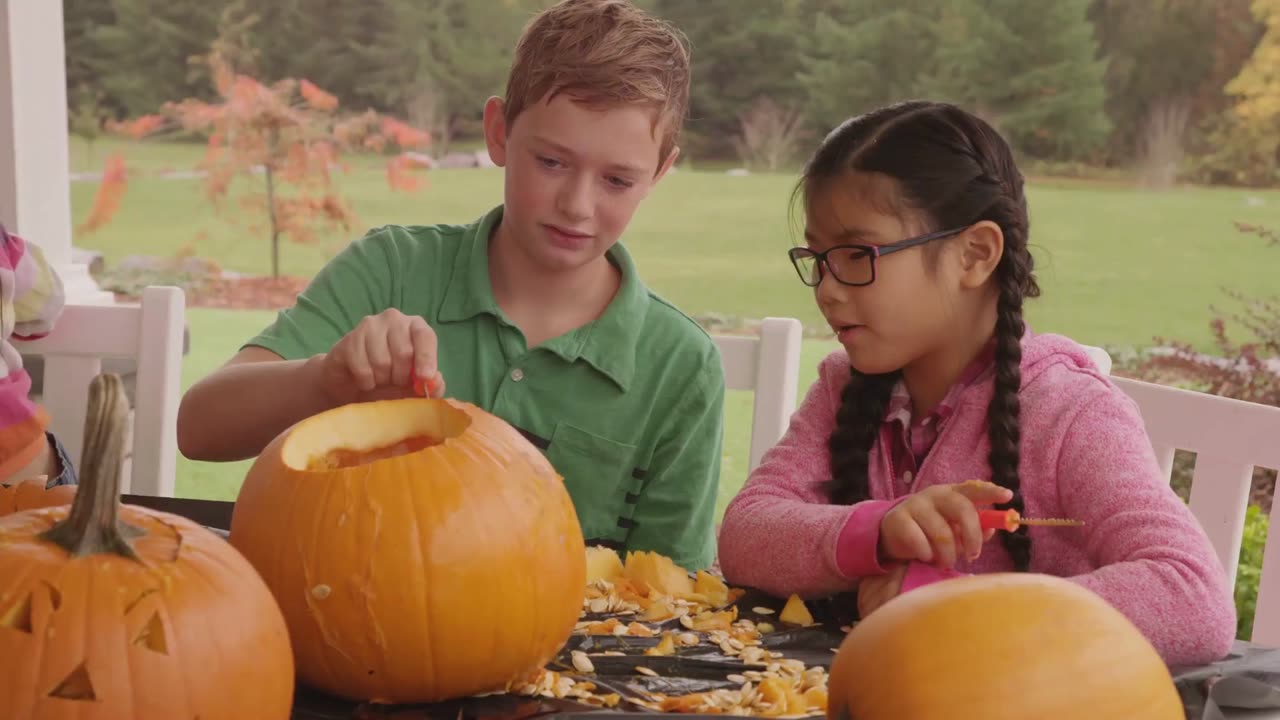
(110, 612)
(420, 549)
(1000, 647)
(31, 494)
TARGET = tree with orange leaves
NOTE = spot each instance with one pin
(290, 134)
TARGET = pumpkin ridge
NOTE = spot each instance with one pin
(425, 594)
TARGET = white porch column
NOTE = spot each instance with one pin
(35, 190)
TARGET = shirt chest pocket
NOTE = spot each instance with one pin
(598, 473)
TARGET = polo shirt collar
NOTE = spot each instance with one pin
(470, 292)
(608, 344)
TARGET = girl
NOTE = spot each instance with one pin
(31, 299)
(916, 245)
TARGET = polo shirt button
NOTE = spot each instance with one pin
(907, 477)
(517, 374)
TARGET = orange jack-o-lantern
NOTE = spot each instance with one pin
(110, 612)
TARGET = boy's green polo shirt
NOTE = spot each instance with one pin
(629, 408)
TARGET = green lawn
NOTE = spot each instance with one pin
(1118, 266)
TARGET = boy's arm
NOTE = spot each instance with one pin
(275, 381)
(37, 294)
(240, 408)
(675, 514)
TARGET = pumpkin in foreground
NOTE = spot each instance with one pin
(110, 612)
(1000, 647)
(420, 549)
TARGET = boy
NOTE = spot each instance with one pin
(533, 312)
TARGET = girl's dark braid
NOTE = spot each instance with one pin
(1016, 282)
(862, 407)
(1002, 414)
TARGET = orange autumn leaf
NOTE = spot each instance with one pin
(315, 97)
(399, 174)
(137, 128)
(107, 200)
(404, 134)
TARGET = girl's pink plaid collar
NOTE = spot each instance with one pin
(899, 409)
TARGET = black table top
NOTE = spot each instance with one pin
(1249, 677)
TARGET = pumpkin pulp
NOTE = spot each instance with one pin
(365, 433)
(341, 458)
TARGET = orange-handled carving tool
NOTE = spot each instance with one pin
(428, 387)
(1009, 520)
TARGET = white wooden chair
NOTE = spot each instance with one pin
(1230, 438)
(150, 331)
(769, 366)
(1100, 357)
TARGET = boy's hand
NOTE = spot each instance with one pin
(930, 524)
(379, 358)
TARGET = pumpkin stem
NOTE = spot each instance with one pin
(93, 525)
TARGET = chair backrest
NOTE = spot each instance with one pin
(150, 331)
(1230, 438)
(769, 366)
(1100, 357)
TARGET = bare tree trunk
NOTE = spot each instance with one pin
(1161, 145)
(275, 226)
(427, 108)
(769, 134)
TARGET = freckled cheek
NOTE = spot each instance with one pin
(531, 191)
(612, 215)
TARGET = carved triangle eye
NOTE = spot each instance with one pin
(18, 617)
(128, 610)
(75, 686)
(55, 595)
(152, 636)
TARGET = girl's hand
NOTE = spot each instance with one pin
(930, 524)
(876, 590)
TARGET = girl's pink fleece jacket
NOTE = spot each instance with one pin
(1085, 455)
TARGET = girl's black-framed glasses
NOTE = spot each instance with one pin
(853, 264)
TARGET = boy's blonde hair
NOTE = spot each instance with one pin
(603, 53)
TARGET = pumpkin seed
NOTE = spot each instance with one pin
(646, 671)
(765, 628)
(735, 678)
(688, 639)
(581, 662)
(686, 621)
(599, 605)
(763, 610)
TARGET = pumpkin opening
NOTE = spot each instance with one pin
(364, 433)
